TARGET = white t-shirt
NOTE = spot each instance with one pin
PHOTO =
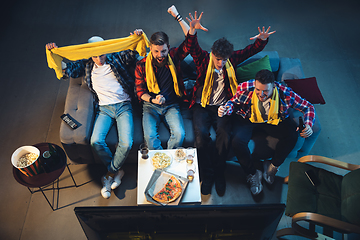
(106, 86)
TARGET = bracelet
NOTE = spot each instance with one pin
(178, 17)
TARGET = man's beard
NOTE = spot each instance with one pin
(163, 63)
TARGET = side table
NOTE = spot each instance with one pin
(43, 179)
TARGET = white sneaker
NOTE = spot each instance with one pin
(269, 172)
(255, 182)
(106, 189)
(117, 179)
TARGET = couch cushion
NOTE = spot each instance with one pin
(307, 88)
(273, 58)
(302, 196)
(247, 72)
(350, 197)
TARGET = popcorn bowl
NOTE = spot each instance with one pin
(31, 169)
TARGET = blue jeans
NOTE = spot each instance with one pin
(121, 113)
(170, 114)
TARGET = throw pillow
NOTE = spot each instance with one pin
(247, 72)
(307, 88)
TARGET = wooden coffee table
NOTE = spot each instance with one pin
(146, 169)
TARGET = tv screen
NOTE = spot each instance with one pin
(258, 221)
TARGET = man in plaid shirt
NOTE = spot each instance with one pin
(110, 78)
(162, 104)
(212, 159)
(279, 125)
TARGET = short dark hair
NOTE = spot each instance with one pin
(265, 76)
(222, 48)
(159, 38)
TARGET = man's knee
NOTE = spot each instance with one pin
(95, 141)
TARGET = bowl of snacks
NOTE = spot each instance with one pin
(161, 160)
(26, 160)
(180, 154)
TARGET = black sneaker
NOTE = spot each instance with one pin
(255, 182)
(206, 186)
(269, 172)
(220, 185)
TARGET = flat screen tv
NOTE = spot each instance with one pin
(258, 221)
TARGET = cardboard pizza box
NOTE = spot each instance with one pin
(161, 176)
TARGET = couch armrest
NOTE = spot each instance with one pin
(80, 105)
(290, 68)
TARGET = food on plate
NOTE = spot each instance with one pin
(27, 159)
(170, 192)
(180, 154)
(161, 160)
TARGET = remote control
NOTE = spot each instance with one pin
(69, 121)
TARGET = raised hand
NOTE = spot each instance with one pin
(173, 11)
(50, 46)
(263, 35)
(137, 32)
(194, 22)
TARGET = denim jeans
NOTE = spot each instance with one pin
(153, 114)
(121, 113)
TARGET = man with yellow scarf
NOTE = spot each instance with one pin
(110, 78)
(215, 84)
(264, 103)
(159, 85)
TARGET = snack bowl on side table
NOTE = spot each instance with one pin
(161, 160)
(180, 154)
(26, 160)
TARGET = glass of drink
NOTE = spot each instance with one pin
(190, 171)
(144, 150)
(190, 151)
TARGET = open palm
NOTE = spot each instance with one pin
(194, 22)
(263, 35)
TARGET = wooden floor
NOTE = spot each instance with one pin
(323, 35)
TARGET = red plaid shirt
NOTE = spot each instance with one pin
(177, 55)
(241, 102)
(202, 58)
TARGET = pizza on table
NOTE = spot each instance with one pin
(170, 192)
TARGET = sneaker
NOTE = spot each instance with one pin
(106, 189)
(269, 172)
(206, 186)
(220, 185)
(117, 179)
(255, 182)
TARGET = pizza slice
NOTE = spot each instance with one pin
(170, 192)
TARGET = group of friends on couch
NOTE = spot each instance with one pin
(117, 79)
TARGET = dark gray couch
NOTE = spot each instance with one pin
(80, 105)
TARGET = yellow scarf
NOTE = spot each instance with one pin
(273, 117)
(209, 80)
(151, 81)
(87, 50)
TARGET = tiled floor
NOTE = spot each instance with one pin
(322, 34)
